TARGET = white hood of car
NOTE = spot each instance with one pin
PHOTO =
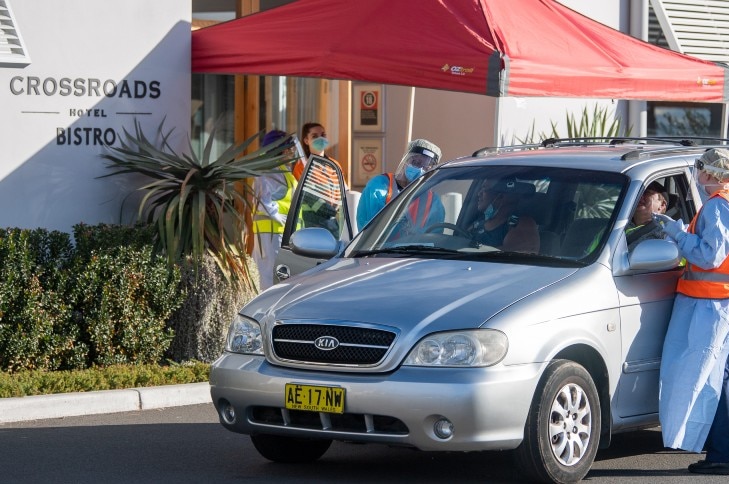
(403, 292)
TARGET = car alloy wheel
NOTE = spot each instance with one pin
(562, 431)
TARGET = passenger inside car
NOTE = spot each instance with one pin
(497, 224)
(654, 200)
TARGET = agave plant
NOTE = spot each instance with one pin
(599, 123)
(198, 205)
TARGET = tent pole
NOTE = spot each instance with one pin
(497, 123)
(411, 109)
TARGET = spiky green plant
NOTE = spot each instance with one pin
(598, 123)
(198, 205)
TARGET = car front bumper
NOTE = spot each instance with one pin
(487, 407)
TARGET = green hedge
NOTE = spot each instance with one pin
(36, 382)
(102, 301)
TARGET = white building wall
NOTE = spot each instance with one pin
(55, 112)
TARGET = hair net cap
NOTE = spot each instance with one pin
(717, 157)
(716, 162)
(272, 137)
(425, 147)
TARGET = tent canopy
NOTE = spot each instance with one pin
(492, 47)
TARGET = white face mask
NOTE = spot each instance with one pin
(708, 184)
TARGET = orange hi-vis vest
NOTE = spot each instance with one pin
(390, 187)
(416, 214)
(705, 283)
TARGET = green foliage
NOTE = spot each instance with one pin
(126, 297)
(106, 237)
(598, 123)
(103, 303)
(35, 313)
(597, 201)
(36, 382)
(197, 205)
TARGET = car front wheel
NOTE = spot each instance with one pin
(289, 449)
(562, 431)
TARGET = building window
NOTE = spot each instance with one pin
(12, 49)
(695, 29)
(684, 119)
(212, 113)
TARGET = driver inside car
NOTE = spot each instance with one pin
(497, 224)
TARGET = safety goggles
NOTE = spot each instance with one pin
(422, 161)
(711, 169)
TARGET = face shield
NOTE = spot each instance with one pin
(414, 164)
(709, 178)
(297, 151)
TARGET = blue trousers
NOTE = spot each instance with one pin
(717, 443)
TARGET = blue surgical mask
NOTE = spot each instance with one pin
(490, 212)
(412, 173)
(319, 144)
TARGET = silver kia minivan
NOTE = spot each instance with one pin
(435, 338)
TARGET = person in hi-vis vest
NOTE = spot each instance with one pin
(693, 406)
(421, 155)
(273, 195)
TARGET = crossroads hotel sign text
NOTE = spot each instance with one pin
(78, 74)
(98, 134)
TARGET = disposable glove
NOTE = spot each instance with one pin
(280, 218)
(669, 226)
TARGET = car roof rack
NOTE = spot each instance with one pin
(681, 141)
(617, 140)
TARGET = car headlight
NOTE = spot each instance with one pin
(479, 347)
(244, 336)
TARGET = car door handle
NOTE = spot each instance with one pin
(282, 272)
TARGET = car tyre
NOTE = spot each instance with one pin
(289, 449)
(562, 431)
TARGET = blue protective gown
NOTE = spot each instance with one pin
(696, 347)
(374, 198)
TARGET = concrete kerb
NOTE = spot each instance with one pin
(38, 407)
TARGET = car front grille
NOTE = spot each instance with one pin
(346, 422)
(344, 345)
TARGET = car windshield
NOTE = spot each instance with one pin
(506, 213)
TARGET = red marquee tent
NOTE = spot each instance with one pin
(492, 47)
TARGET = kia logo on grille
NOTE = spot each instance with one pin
(326, 343)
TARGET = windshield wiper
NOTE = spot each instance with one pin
(527, 257)
(405, 249)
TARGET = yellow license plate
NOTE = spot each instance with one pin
(314, 398)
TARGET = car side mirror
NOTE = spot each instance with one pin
(314, 242)
(654, 255)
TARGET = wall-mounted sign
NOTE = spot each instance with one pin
(368, 107)
(83, 88)
(366, 159)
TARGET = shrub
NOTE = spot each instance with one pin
(598, 123)
(106, 301)
(124, 298)
(36, 331)
(38, 382)
(105, 238)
